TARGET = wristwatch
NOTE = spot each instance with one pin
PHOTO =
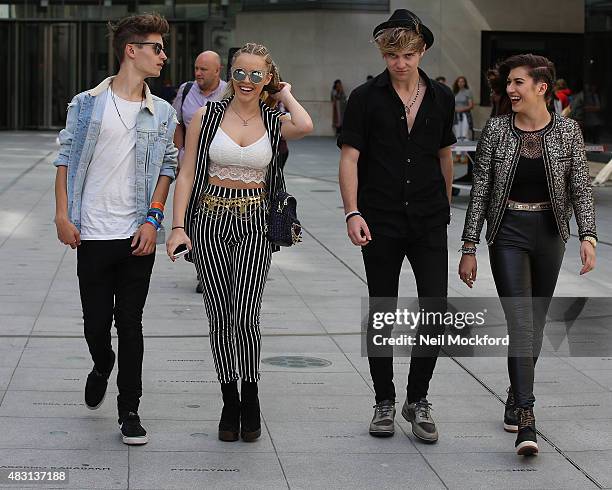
(591, 240)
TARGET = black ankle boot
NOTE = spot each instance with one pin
(250, 419)
(229, 425)
(526, 440)
(510, 417)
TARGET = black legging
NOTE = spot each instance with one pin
(525, 260)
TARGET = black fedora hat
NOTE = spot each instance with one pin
(405, 18)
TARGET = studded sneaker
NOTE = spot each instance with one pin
(419, 415)
(383, 422)
(510, 418)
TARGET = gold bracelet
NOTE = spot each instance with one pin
(591, 240)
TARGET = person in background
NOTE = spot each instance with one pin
(593, 120)
(195, 94)
(464, 102)
(441, 80)
(338, 99)
(563, 93)
(168, 91)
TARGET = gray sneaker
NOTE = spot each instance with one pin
(383, 424)
(419, 415)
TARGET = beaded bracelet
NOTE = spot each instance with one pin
(467, 250)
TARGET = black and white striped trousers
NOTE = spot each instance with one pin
(232, 257)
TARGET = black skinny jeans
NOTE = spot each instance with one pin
(114, 284)
(383, 258)
(526, 257)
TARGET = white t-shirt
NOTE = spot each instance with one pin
(108, 209)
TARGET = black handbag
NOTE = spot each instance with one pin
(284, 229)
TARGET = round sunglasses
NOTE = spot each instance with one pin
(255, 76)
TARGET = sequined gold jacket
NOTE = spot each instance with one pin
(567, 174)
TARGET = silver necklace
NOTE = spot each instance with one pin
(418, 90)
(245, 122)
(119, 114)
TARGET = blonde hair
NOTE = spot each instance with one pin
(271, 68)
(397, 39)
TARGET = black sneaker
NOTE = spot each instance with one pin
(132, 432)
(95, 388)
(510, 417)
(526, 441)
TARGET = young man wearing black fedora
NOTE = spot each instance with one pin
(396, 176)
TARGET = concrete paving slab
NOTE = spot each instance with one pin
(506, 470)
(596, 464)
(311, 304)
(579, 434)
(549, 382)
(199, 436)
(483, 436)
(61, 433)
(572, 406)
(334, 438)
(319, 408)
(60, 380)
(297, 383)
(91, 469)
(590, 363)
(180, 470)
(347, 471)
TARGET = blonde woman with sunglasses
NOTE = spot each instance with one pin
(229, 172)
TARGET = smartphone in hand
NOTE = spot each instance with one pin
(180, 251)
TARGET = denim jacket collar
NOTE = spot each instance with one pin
(94, 92)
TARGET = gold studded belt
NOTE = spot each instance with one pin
(529, 206)
(238, 206)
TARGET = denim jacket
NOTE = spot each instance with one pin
(155, 150)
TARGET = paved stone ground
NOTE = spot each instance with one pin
(315, 414)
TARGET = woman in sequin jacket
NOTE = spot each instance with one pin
(530, 172)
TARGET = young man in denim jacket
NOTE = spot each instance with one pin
(114, 170)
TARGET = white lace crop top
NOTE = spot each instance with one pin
(229, 160)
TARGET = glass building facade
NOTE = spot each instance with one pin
(52, 49)
(597, 87)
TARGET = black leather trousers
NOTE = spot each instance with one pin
(525, 260)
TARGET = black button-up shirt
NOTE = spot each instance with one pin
(401, 190)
